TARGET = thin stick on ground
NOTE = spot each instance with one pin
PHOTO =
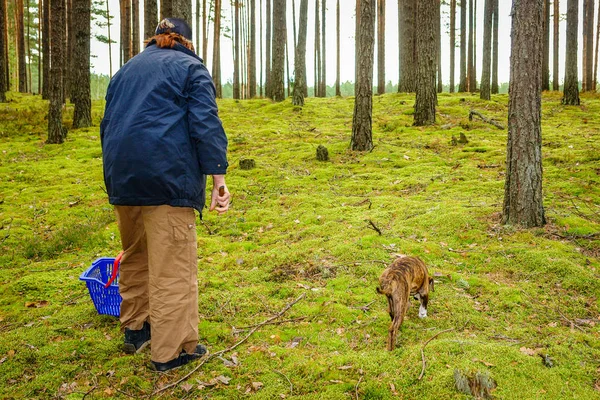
(484, 119)
(288, 379)
(221, 352)
(245, 328)
(423, 350)
(374, 227)
(356, 388)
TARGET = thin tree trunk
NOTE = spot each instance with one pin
(70, 47)
(380, 46)
(546, 47)
(462, 86)
(82, 115)
(45, 48)
(555, 84)
(589, 49)
(584, 44)
(317, 86)
(29, 87)
(56, 131)
(438, 41)
(204, 32)
(135, 27)
(300, 57)
(21, 48)
(3, 43)
(470, 50)
(260, 34)
(236, 50)
(452, 43)
(338, 92)
(294, 23)
(216, 67)
(109, 41)
(252, 56)
(362, 123)
(523, 201)
(474, 76)
(287, 64)
(487, 52)
(495, 49)
(279, 29)
(571, 84)
(268, 50)
(6, 46)
(323, 79)
(407, 12)
(595, 80)
(356, 41)
(428, 15)
(198, 44)
(39, 48)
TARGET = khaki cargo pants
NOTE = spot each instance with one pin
(158, 277)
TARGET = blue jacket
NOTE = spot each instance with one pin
(161, 133)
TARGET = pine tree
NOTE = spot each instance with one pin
(571, 84)
(495, 48)
(556, 32)
(22, 67)
(487, 51)
(337, 73)
(428, 15)
(56, 131)
(317, 86)
(462, 86)
(546, 47)
(523, 201)
(216, 63)
(268, 59)
(3, 66)
(323, 85)
(407, 20)
(452, 43)
(135, 27)
(150, 18)
(252, 55)
(279, 30)
(300, 57)
(362, 135)
(470, 57)
(236, 50)
(82, 115)
(45, 48)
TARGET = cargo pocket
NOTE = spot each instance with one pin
(182, 225)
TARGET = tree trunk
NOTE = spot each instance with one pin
(495, 49)
(462, 86)
(204, 32)
(487, 51)
(82, 115)
(252, 56)
(287, 64)
(546, 47)
(380, 46)
(523, 201)
(236, 50)
(69, 46)
(555, 84)
(268, 50)
(216, 67)
(323, 88)
(595, 78)
(166, 9)
(45, 48)
(317, 86)
(452, 43)
(589, 47)
(571, 88)
(338, 92)
(362, 135)
(470, 71)
(474, 76)
(300, 57)
(356, 41)
(407, 11)
(294, 24)
(438, 41)
(21, 48)
(3, 43)
(135, 27)
(56, 131)
(125, 10)
(109, 41)
(182, 9)
(29, 86)
(279, 29)
(428, 15)
(260, 13)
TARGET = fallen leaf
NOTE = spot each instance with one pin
(109, 391)
(487, 364)
(223, 379)
(187, 387)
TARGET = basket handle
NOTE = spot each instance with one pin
(115, 270)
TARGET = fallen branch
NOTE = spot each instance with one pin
(484, 119)
(374, 227)
(364, 308)
(572, 323)
(245, 328)
(221, 352)
(423, 348)
(356, 388)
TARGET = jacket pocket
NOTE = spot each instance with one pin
(182, 225)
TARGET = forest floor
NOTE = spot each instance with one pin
(522, 306)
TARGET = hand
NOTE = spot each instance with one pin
(220, 197)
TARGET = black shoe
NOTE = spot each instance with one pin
(183, 359)
(136, 340)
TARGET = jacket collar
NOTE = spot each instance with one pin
(178, 47)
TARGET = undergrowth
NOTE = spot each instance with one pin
(298, 225)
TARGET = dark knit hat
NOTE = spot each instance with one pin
(174, 25)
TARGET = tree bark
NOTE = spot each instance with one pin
(495, 49)
(452, 43)
(3, 66)
(300, 57)
(438, 41)
(407, 12)
(135, 27)
(428, 15)
(362, 135)
(110, 69)
(82, 115)
(555, 42)
(182, 9)
(45, 48)
(380, 46)
(268, 50)
(523, 201)
(595, 78)
(571, 84)
(279, 29)
(470, 55)
(56, 131)
(236, 50)
(462, 86)
(546, 47)
(252, 55)
(204, 31)
(216, 67)
(474, 76)
(21, 48)
(29, 86)
(260, 35)
(588, 47)
(487, 51)
(338, 92)
(317, 86)
(323, 89)
(356, 41)
(166, 9)
(125, 8)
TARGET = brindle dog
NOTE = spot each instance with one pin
(406, 276)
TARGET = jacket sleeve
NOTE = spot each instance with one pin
(205, 127)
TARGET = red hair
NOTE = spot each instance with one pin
(168, 40)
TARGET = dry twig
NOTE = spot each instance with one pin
(288, 379)
(221, 352)
(484, 119)
(245, 328)
(356, 388)
(374, 227)
(423, 348)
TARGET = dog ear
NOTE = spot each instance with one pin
(431, 281)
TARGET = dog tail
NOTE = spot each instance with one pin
(379, 290)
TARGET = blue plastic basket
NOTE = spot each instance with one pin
(106, 300)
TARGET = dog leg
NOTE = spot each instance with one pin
(424, 298)
(390, 307)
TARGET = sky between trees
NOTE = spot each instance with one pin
(100, 64)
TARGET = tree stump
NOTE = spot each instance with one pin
(322, 153)
(247, 163)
